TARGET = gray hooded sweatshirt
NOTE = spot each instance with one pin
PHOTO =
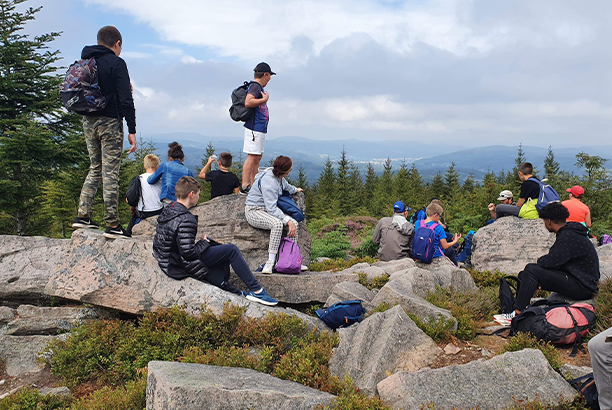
(394, 236)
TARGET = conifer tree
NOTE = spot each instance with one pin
(326, 203)
(470, 184)
(205, 194)
(37, 138)
(369, 188)
(384, 193)
(343, 183)
(437, 186)
(551, 165)
(418, 196)
(451, 183)
(401, 183)
(357, 189)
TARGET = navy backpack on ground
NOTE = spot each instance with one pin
(546, 196)
(423, 242)
(465, 251)
(586, 386)
(341, 314)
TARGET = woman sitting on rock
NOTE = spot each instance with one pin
(261, 208)
(170, 172)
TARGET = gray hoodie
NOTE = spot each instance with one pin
(268, 191)
(394, 235)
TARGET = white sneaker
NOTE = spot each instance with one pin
(268, 267)
(304, 267)
(504, 319)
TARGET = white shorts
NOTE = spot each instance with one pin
(253, 142)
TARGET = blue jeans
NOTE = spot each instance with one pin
(218, 258)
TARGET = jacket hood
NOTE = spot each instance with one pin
(574, 227)
(95, 51)
(172, 211)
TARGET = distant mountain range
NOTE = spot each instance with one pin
(428, 158)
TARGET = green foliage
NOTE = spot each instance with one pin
(367, 247)
(335, 265)
(486, 278)
(350, 398)
(579, 403)
(130, 397)
(377, 282)
(439, 329)
(603, 306)
(383, 307)
(522, 341)
(30, 399)
(332, 245)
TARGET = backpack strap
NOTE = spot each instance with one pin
(578, 340)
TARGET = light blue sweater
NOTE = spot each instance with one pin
(267, 193)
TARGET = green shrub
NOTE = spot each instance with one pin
(486, 278)
(30, 399)
(522, 341)
(350, 398)
(335, 265)
(367, 246)
(603, 306)
(383, 307)
(438, 329)
(579, 403)
(130, 397)
(377, 282)
(333, 245)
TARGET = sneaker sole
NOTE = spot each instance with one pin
(114, 236)
(78, 225)
(266, 272)
(263, 302)
(504, 323)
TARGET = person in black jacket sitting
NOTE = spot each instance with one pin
(180, 256)
(570, 268)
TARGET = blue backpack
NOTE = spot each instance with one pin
(341, 314)
(423, 242)
(546, 196)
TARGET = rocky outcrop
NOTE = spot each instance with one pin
(605, 261)
(118, 274)
(189, 386)
(351, 291)
(20, 354)
(509, 243)
(491, 384)
(29, 320)
(383, 343)
(223, 219)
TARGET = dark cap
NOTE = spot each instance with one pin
(263, 68)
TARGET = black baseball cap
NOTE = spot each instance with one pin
(263, 68)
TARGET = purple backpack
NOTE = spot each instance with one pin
(606, 239)
(289, 257)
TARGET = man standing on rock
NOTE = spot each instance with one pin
(256, 127)
(570, 268)
(394, 234)
(104, 132)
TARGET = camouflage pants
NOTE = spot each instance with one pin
(104, 137)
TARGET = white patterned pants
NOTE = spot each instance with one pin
(257, 217)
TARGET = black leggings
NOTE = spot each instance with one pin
(534, 276)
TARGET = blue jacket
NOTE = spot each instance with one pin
(169, 172)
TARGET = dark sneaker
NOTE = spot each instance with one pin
(245, 190)
(118, 232)
(84, 223)
(262, 297)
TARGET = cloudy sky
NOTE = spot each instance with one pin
(480, 72)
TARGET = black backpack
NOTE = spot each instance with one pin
(133, 192)
(80, 91)
(238, 111)
(586, 386)
(507, 293)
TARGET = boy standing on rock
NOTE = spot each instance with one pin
(256, 127)
(103, 132)
(180, 256)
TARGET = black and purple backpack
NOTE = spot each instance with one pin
(80, 91)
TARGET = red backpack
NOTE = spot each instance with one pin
(557, 322)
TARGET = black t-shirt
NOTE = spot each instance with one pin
(530, 189)
(221, 183)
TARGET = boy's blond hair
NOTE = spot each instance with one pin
(436, 201)
(433, 209)
(185, 185)
(151, 161)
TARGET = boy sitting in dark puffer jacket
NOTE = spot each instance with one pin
(180, 256)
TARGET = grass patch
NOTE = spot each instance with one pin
(486, 278)
(335, 265)
(603, 306)
(377, 282)
(438, 329)
(350, 398)
(28, 398)
(383, 307)
(522, 341)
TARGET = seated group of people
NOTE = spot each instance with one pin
(175, 247)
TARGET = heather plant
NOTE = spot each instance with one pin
(522, 341)
(31, 399)
(439, 329)
(335, 265)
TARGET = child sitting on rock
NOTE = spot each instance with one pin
(570, 268)
(442, 244)
(530, 191)
(222, 181)
(180, 256)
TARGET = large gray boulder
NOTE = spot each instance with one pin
(351, 291)
(20, 354)
(118, 274)
(307, 287)
(605, 260)
(490, 384)
(33, 320)
(383, 343)
(189, 386)
(509, 243)
(223, 219)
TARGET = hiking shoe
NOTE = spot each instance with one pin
(117, 232)
(304, 267)
(268, 267)
(84, 223)
(504, 319)
(262, 297)
(245, 190)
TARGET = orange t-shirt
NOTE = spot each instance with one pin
(577, 210)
